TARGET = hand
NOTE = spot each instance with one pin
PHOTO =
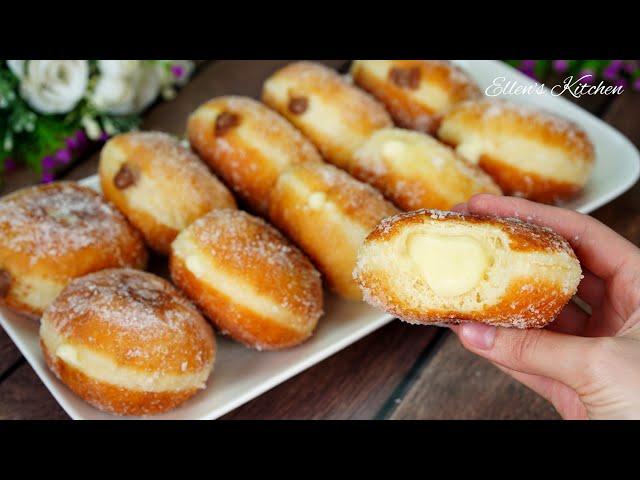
(586, 365)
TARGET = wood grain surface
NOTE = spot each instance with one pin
(398, 372)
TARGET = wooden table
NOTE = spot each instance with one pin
(398, 372)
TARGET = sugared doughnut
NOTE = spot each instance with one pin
(50, 234)
(334, 114)
(127, 342)
(529, 152)
(247, 145)
(248, 279)
(414, 170)
(416, 92)
(328, 214)
(159, 185)
(431, 266)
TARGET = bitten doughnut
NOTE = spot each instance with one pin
(248, 279)
(328, 214)
(414, 170)
(50, 234)
(127, 342)
(159, 185)
(416, 92)
(247, 145)
(431, 266)
(530, 153)
(334, 114)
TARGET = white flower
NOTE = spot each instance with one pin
(52, 86)
(114, 95)
(17, 67)
(148, 86)
(119, 68)
(126, 86)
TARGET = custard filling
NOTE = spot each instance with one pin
(451, 265)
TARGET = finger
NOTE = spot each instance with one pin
(535, 351)
(591, 289)
(600, 249)
(460, 208)
(572, 320)
(565, 400)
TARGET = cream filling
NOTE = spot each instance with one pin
(103, 368)
(451, 265)
(242, 293)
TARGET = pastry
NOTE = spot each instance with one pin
(433, 267)
(159, 185)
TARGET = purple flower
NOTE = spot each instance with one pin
(177, 70)
(63, 156)
(81, 138)
(527, 65)
(621, 82)
(48, 162)
(636, 84)
(9, 164)
(72, 142)
(560, 66)
(47, 177)
(611, 72)
(104, 137)
(588, 74)
(630, 66)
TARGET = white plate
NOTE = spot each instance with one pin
(241, 374)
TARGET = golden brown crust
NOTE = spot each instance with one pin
(529, 152)
(524, 121)
(111, 398)
(523, 236)
(432, 176)
(513, 309)
(137, 319)
(529, 300)
(397, 88)
(157, 165)
(330, 242)
(528, 185)
(331, 105)
(250, 152)
(60, 231)
(231, 318)
(251, 252)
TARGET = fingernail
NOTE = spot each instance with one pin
(478, 335)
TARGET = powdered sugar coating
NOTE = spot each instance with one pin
(138, 319)
(249, 248)
(524, 235)
(50, 221)
(496, 112)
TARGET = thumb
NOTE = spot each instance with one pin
(561, 357)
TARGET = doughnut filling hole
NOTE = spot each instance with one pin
(450, 265)
(447, 267)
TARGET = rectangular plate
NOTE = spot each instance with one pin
(241, 374)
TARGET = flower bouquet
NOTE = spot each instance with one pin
(52, 111)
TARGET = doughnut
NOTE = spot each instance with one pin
(435, 267)
(127, 342)
(334, 114)
(50, 234)
(248, 279)
(247, 145)
(159, 185)
(414, 170)
(327, 213)
(415, 92)
(530, 153)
